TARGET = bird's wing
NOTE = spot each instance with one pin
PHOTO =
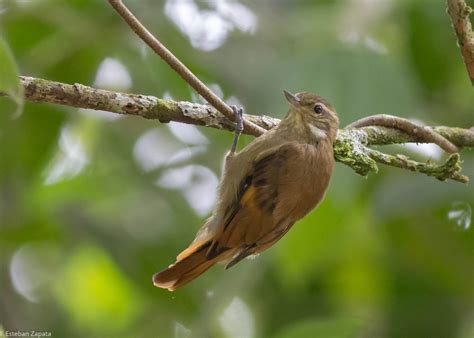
(267, 202)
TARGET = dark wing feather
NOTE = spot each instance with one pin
(252, 217)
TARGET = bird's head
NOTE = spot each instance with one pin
(312, 114)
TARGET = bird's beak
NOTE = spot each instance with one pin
(292, 98)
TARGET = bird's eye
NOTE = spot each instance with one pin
(318, 109)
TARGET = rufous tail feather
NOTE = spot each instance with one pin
(185, 269)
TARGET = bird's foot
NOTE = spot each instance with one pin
(239, 127)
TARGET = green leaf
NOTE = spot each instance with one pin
(9, 81)
(323, 328)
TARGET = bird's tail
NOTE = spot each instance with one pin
(189, 265)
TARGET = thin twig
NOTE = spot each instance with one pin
(379, 136)
(350, 147)
(409, 127)
(179, 67)
(459, 12)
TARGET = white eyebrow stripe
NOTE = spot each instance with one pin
(318, 133)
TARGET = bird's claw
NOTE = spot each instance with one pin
(239, 118)
(239, 126)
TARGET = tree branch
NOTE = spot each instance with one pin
(422, 133)
(350, 147)
(459, 12)
(179, 67)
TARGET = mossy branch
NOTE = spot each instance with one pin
(350, 148)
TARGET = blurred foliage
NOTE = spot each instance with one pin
(91, 205)
(9, 83)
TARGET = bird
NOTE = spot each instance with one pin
(265, 188)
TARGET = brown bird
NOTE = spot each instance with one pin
(265, 188)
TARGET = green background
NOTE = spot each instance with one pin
(91, 207)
